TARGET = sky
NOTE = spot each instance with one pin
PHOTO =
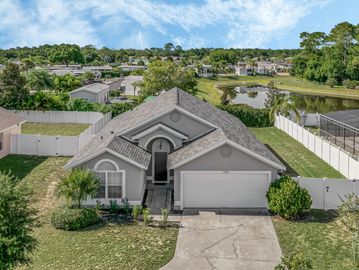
(140, 24)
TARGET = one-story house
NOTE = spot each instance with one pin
(96, 92)
(130, 88)
(204, 71)
(10, 123)
(207, 156)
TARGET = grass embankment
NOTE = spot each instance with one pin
(320, 236)
(53, 129)
(209, 87)
(298, 159)
(104, 246)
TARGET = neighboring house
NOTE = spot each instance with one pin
(244, 71)
(126, 67)
(130, 89)
(10, 123)
(96, 92)
(114, 84)
(208, 157)
(97, 68)
(202, 71)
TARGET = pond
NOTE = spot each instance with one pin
(256, 96)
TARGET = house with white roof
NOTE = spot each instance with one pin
(96, 92)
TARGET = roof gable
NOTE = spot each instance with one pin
(227, 127)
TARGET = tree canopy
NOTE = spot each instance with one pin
(162, 76)
(329, 57)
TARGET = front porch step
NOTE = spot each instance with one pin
(158, 198)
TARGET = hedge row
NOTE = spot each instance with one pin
(251, 117)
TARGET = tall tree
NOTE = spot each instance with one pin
(12, 87)
(162, 76)
(66, 54)
(39, 80)
(16, 223)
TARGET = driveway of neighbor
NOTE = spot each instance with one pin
(226, 239)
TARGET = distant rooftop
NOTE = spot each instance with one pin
(93, 88)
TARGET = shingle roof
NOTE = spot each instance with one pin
(93, 88)
(130, 151)
(227, 127)
(9, 119)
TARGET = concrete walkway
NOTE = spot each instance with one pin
(226, 239)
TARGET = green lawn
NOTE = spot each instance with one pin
(320, 237)
(103, 246)
(53, 129)
(208, 88)
(297, 159)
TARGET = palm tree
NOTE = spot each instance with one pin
(77, 186)
(39, 79)
(284, 105)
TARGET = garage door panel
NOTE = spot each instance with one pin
(224, 189)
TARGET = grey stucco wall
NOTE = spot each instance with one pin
(185, 125)
(214, 161)
(135, 177)
(91, 97)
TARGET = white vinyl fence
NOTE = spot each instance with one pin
(328, 193)
(43, 145)
(61, 117)
(330, 153)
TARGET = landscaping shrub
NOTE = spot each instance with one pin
(114, 208)
(164, 216)
(251, 117)
(351, 84)
(136, 211)
(287, 199)
(331, 82)
(146, 214)
(294, 262)
(72, 219)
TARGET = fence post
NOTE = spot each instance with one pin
(324, 194)
(339, 159)
(37, 144)
(348, 161)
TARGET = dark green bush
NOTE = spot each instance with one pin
(72, 219)
(351, 84)
(251, 117)
(287, 199)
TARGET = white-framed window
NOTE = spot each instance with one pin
(112, 180)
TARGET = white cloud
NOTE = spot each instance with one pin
(245, 23)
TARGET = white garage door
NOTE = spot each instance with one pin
(218, 189)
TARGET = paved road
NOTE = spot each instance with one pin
(226, 239)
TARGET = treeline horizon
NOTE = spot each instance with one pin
(89, 54)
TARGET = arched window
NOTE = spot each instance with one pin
(111, 180)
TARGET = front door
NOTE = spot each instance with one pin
(160, 166)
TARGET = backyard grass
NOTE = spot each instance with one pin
(208, 88)
(320, 236)
(104, 246)
(297, 159)
(53, 129)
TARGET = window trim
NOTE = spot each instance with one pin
(123, 184)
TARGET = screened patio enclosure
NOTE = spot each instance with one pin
(342, 129)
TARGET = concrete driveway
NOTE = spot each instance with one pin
(226, 239)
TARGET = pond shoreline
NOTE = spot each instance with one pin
(312, 92)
